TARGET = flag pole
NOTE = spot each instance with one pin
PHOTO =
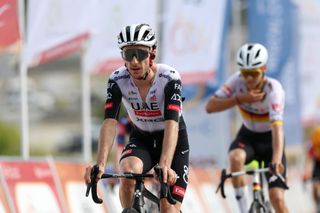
(23, 69)
(86, 112)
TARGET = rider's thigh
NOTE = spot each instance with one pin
(166, 207)
(131, 164)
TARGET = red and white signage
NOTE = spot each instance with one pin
(31, 186)
(9, 25)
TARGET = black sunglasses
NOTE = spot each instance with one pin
(140, 54)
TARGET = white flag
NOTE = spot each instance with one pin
(102, 53)
(55, 28)
(192, 37)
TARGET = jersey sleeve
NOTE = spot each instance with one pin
(276, 102)
(173, 100)
(228, 88)
(113, 101)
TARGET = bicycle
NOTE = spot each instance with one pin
(260, 203)
(140, 193)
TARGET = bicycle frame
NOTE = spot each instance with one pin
(259, 203)
(140, 192)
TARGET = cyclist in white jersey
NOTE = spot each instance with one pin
(151, 94)
(260, 100)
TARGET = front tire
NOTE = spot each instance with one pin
(129, 210)
(256, 208)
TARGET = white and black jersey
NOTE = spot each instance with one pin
(163, 101)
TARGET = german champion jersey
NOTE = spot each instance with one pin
(256, 116)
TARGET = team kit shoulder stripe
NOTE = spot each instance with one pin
(227, 89)
(254, 117)
(108, 105)
(174, 107)
(276, 122)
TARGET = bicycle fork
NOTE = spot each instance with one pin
(258, 198)
(138, 201)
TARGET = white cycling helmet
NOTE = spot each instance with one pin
(252, 55)
(137, 34)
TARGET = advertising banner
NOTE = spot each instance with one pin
(31, 186)
(192, 34)
(4, 206)
(102, 53)
(309, 63)
(274, 24)
(55, 28)
(74, 188)
(9, 24)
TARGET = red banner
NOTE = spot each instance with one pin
(71, 178)
(31, 185)
(4, 207)
(9, 26)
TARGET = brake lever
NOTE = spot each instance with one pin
(221, 185)
(165, 191)
(272, 167)
(93, 185)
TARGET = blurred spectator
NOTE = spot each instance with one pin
(312, 167)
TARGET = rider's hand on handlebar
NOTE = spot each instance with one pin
(169, 175)
(90, 172)
(276, 168)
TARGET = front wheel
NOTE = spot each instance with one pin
(257, 207)
(268, 207)
(129, 210)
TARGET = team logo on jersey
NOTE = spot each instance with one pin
(174, 107)
(276, 107)
(153, 98)
(179, 191)
(109, 95)
(108, 105)
(132, 93)
(176, 97)
(177, 86)
(110, 85)
(153, 91)
(146, 109)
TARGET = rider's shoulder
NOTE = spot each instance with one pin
(274, 84)
(120, 73)
(167, 72)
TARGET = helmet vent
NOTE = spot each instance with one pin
(257, 54)
(145, 34)
(128, 33)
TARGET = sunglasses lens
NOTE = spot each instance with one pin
(252, 72)
(138, 53)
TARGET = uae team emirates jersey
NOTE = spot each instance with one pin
(163, 101)
(256, 116)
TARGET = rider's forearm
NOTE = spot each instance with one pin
(170, 140)
(277, 141)
(219, 104)
(106, 139)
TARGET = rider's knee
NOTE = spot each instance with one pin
(131, 164)
(237, 157)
